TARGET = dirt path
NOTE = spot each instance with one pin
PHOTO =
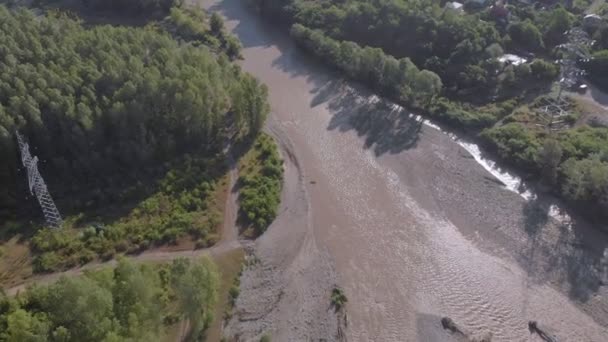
(229, 241)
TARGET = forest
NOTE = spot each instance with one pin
(111, 107)
(130, 125)
(459, 48)
(445, 64)
(131, 302)
(132, 7)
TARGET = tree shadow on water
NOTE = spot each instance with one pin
(386, 127)
(535, 217)
(564, 250)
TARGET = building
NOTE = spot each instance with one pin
(510, 59)
(592, 21)
(455, 6)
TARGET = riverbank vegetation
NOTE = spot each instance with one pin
(398, 79)
(449, 65)
(193, 24)
(260, 183)
(131, 302)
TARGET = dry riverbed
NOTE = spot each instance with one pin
(413, 226)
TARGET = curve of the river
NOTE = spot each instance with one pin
(416, 227)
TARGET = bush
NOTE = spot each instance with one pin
(265, 338)
(526, 35)
(338, 298)
(260, 191)
(234, 293)
(543, 70)
(47, 262)
(514, 142)
(586, 182)
(456, 115)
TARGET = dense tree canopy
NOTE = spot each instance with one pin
(132, 7)
(461, 48)
(575, 161)
(435, 39)
(398, 79)
(129, 303)
(105, 107)
(526, 35)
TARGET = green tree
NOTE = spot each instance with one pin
(586, 181)
(543, 70)
(196, 292)
(81, 306)
(217, 24)
(427, 85)
(559, 22)
(135, 298)
(526, 35)
(25, 327)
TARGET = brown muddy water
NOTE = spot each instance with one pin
(416, 228)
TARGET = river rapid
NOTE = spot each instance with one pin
(415, 225)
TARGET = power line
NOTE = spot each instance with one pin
(37, 185)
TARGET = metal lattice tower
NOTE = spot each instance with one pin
(37, 185)
(575, 50)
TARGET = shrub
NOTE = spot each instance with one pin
(514, 142)
(338, 298)
(543, 70)
(234, 293)
(47, 262)
(455, 114)
(260, 192)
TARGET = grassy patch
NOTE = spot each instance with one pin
(15, 262)
(185, 212)
(260, 180)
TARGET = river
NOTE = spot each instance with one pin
(416, 228)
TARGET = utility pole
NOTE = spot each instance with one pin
(575, 50)
(37, 185)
